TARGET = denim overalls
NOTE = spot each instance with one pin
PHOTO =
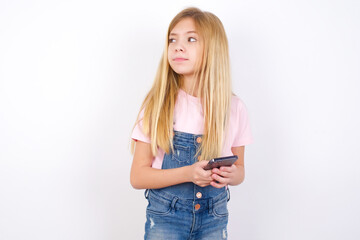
(186, 211)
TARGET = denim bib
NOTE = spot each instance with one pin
(185, 147)
(201, 211)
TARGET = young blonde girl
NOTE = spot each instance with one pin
(189, 115)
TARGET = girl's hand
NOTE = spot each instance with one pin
(225, 176)
(198, 175)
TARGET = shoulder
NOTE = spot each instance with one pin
(238, 111)
(240, 123)
(237, 104)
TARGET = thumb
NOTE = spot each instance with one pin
(203, 163)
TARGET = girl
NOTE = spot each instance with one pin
(189, 115)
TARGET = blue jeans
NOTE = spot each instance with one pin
(186, 211)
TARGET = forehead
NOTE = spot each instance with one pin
(184, 26)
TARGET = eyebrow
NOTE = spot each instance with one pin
(174, 34)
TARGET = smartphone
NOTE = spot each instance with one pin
(221, 161)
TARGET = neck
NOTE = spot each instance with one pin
(190, 85)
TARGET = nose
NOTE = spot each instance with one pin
(179, 48)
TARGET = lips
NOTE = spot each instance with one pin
(180, 59)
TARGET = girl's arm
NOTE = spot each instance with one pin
(143, 176)
(233, 175)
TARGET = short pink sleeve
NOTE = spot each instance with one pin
(242, 132)
(138, 134)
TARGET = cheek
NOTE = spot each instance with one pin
(199, 56)
(168, 54)
(196, 55)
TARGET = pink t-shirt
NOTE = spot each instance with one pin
(189, 118)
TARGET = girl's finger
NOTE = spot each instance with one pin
(227, 169)
(219, 179)
(215, 170)
(224, 174)
(217, 185)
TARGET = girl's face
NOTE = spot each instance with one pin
(185, 48)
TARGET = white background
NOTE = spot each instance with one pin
(74, 73)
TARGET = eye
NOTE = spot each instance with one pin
(171, 40)
(191, 39)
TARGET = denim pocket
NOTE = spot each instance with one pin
(181, 153)
(158, 205)
(220, 208)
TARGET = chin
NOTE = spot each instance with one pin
(182, 71)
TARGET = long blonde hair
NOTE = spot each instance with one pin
(214, 89)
